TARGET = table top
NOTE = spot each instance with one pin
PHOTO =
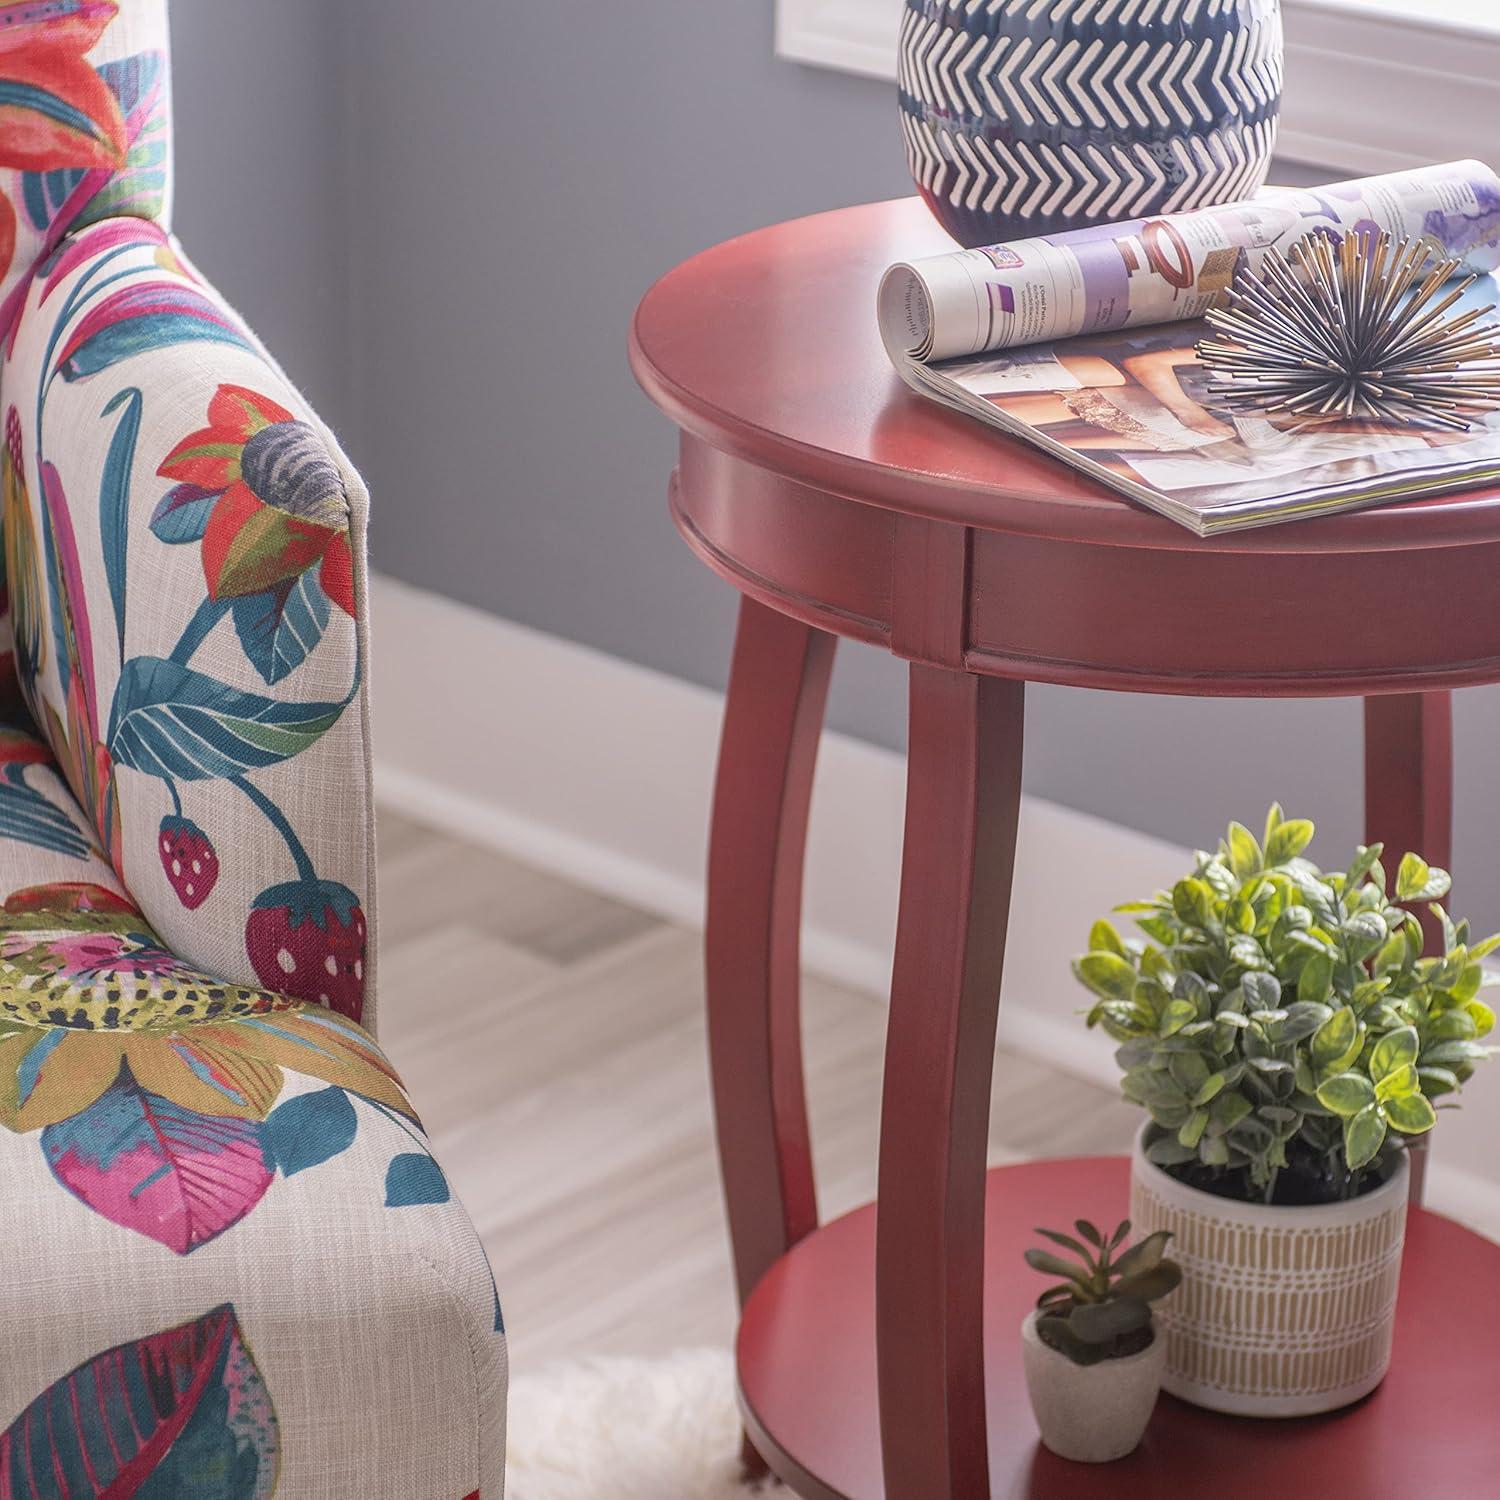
(807, 1373)
(767, 347)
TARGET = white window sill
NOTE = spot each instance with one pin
(1370, 87)
(1465, 17)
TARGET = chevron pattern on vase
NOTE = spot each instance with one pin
(1026, 117)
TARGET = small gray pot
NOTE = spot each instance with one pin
(1091, 1413)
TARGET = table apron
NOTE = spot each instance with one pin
(1043, 609)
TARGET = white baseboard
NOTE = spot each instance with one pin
(601, 771)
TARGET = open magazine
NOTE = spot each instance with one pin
(1083, 344)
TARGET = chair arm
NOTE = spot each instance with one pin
(187, 578)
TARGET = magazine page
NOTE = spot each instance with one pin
(1165, 269)
(1134, 408)
(1121, 394)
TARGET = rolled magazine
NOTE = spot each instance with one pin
(1082, 344)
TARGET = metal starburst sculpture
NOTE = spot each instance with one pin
(1354, 329)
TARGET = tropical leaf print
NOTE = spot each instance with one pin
(147, 315)
(22, 556)
(55, 110)
(414, 1178)
(181, 515)
(181, 1412)
(75, 738)
(155, 1089)
(27, 817)
(114, 499)
(71, 632)
(280, 628)
(113, 995)
(73, 196)
(150, 1165)
(115, 236)
(173, 722)
(10, 687)
(309, 1129)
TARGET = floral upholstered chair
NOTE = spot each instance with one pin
(232, 1268)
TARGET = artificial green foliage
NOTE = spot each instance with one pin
(1101, 1309)
(1277, 1021)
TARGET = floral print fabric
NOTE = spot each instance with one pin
(83, 136)
(181, 537)
(152, 1112)
(10, 699)
(185, 1410)
(234, 1268)
(154, 1086)
(182, 1412)
(83, 123)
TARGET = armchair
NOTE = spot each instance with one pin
(234, 1269)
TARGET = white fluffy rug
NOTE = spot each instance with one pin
(628, 1429)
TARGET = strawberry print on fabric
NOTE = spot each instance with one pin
(182, 1412)
(259, 494)
(308, 938)
(189, 861)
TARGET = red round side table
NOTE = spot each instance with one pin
(840, 504)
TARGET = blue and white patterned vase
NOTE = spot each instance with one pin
(1027, 117)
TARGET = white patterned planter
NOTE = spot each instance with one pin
(1027, 117)
(1282, 1312)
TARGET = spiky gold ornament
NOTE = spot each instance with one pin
(1354, 328)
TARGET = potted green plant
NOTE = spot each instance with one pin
(1092, 1358)
(1288, 1035)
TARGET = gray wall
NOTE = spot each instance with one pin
(260, 175)
(551, 172)
(444, 228)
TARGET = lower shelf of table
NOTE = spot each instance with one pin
(806, 1360)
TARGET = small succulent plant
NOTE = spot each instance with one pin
(1101, 1309)
(1283, 1026)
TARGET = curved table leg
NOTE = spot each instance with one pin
(777, 690)
(1409, 800)
(962, 801)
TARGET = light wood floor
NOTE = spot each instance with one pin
(553, 1042)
